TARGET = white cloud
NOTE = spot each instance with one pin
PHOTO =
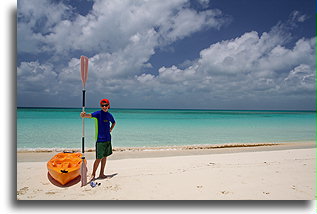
(34, 77)
(301, 80)
(36, 18)
(242, 69)
(296, 16)
(204, 3)
(145, 78)
(110, 25)
(188, 21)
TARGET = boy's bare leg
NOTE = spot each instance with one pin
(96, 164)
(102, 170)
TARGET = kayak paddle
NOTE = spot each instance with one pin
(84, 76)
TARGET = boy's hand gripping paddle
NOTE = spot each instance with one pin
(84, 76)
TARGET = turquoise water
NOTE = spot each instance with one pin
(61, 128)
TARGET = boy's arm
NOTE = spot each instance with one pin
(84, 115)
(112, 126)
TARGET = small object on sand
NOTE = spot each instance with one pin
(94, 184)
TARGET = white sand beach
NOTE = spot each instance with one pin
(279, 172)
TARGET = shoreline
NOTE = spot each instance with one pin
(26, 155)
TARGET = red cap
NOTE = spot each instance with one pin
(105, 101)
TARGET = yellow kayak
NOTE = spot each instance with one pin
(65, 167)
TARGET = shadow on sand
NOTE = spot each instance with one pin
(56, 183)
(76, 180)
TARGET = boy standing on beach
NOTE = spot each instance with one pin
(103, 142)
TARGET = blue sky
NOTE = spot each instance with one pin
(199, 54)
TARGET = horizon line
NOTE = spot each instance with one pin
(206, 109)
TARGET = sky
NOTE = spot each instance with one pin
(168, 54)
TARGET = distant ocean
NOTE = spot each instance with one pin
(45, 128)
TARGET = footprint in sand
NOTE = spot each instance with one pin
(199, 188)
(225, 192)
(45, 183)
(22, 191)
(50, 193)
(113, 188)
